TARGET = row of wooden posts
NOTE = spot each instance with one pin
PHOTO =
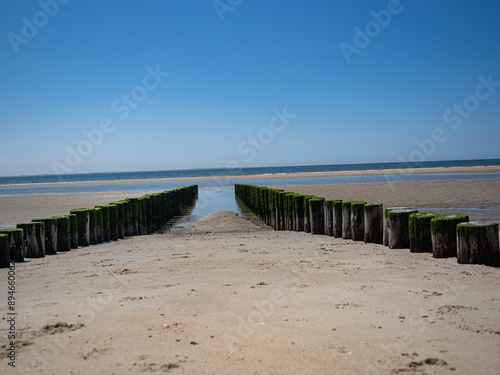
(397, 227)
(92, 226)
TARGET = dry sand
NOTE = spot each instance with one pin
(228, 296)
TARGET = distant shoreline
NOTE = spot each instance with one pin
(382, 172)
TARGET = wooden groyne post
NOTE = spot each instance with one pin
(317, 215)
(50, 235)
(358, 220)
(4, 250)
(34, 239)
(397, 221)
(62, 224)
(299, 212)
(16, 244)
(444, 235)
(73, 231)
(328, 209)
(83, 224)
(374, 223)
(346, 220)
(420, 232)
(477, 243)
(337, 218)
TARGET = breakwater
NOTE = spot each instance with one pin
(92, 226)
(396, 227)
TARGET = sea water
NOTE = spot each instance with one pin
(226, 172)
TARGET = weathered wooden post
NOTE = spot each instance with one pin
(307, 217)
(420, 232)
(113, 222)
(83, 222)
(337, 218)
(477, 243)
(120, 218)
(93, 229)
(374, 223)
(126, 217)
(281, 210)
(34, 239)
(99, 224)
(50, 235)
(398, 223)
(143, 214)
(444, 235)
(73, 231)
(317, 215)
(274, 208)
(346, 220)
(147, 217)
(270, 207)
(261, 191)
(288, 200)
(105, 232)
(62, 232)
(16, 244)
(292, 213)
(386, 228)
(4, 250)
(299, 212)
(328, 217)
(134, 215)
(358, 220)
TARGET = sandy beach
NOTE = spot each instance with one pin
(230, 296)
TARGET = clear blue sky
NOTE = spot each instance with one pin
(232, 65)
